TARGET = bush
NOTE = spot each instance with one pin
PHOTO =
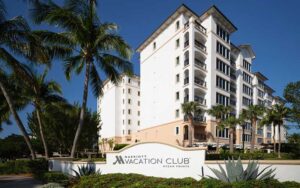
(257, 155)
(140, 181)
(120, 146)
(52, 185)
(24, 166)
(55, 177)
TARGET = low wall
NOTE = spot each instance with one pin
(162, 160)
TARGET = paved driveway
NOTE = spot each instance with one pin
(18, 181)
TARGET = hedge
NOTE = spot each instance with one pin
(36, 167)
(140, 181)
(246, 156)
(120, 146)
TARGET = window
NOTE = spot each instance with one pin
(123, 90)
(222, 50)
(259, 140)
(129, 111)
(154, 45)
(223, 133)
(177, 60)
(247, 126)
(223, 67)
(247, 78)
(269, 135)
(222, 83)
(129, 131)
(247, 65)
(177, 78)
(246, 138)
(139, 103)
(138, 123)
(129, 101)
(177, 95)
(123, 121)
(139, 93)
(222, 33)
(177, 25)
(177, 113)
(261, 84)
(139, 113)
(123, 111)
(247, 90)
(123, 101)
(129, 80)
(222, 99)
(129, 91)
(129, 121)
(177, 43)
(260, 102)
(123, 131)
(177, 130)
(247, 101)
(260, 131)
(261, 93)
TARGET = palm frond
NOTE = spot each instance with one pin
(95, 81)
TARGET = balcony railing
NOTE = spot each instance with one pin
(186, 43)
(200, 45)
(200, 27)
(200, 100)
(186, 80)
(200, 64)
(200, 82)
(196, 118)
(186, 62)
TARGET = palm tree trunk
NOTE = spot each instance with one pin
(231, 140)
(243, 137)
(274, 142)
(18, 120)
(218, 139)
(253, 135)
(279, 141)
(191, 131)
(42, 133)
(83, 108)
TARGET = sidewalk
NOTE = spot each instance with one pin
(18, 181)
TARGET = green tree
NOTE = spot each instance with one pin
(231, 123)
(253, 113)
(95, 45)
(189, 109)
(60, 121)
(219, 112)
(41, 93)
(294, 138)
(292, 96)
(270, 119)
(13, 147)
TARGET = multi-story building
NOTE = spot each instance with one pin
(119, 109)
(190, 57)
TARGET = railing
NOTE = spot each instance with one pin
(196, 118)
(200, 100)
(200, 27)
(200, 45)
(186, 62)
(186, 80)
(186, 43)
(200, 64)
(200, 82)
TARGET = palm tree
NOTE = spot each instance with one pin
(189, 109)
(219, 112)
(231, 123)
(95, 44)
(42, 93)
(253, 113)
(270, 119)
(281, 112)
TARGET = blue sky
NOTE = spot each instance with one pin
(271, 27)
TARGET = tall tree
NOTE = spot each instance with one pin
(189, 109)
(270, 119)
(231, 123)
(41, 93)
(95, 45)
(292, 96)
(253, 113)
(219, 112)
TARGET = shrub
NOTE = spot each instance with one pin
(86, 170)
(52, 185)
(120, 146)
(55, 177)
(140, 181)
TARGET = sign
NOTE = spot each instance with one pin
(156, 159)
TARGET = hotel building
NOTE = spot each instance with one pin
(190, 57)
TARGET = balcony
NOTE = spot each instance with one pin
(200, 28)
(199, 45)
(200, 64)
(200, 82)
(200, 100)
(197, 118)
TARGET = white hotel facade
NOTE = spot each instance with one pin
(189, 57)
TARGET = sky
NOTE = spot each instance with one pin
(271, 27)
